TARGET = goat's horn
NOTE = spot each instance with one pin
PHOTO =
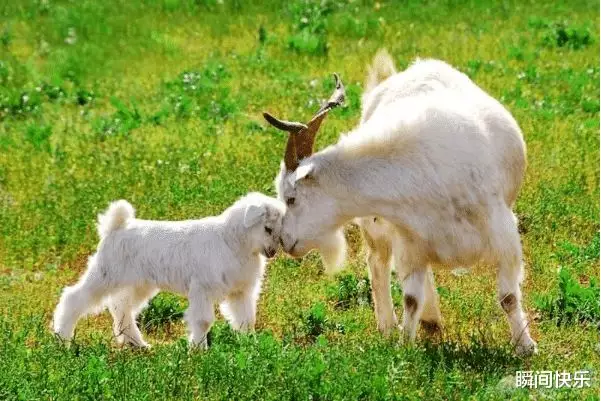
(288, 126)
(290, 159)
(335, 100)
(306, 138)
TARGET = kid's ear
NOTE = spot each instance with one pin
(304, 171)
(253, 214)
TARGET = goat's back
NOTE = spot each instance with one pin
(432, 77)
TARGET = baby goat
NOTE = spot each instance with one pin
(215, 259)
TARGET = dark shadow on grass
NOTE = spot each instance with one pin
(476, 353)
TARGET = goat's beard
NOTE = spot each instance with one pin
(333, 252)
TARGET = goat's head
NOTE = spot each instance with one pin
(310, 220)
(262, 218)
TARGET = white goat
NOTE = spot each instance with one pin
(431, 173)
(210, 260)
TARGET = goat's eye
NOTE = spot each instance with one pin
(268, 230)
(290, 201)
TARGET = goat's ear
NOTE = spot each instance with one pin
(303, 172)
(253, 214)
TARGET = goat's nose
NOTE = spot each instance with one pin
(293, 246)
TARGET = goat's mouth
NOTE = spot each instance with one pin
(269, 253)
(295, 252)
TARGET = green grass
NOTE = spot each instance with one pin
(160, 102)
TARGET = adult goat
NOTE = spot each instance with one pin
(431, 175)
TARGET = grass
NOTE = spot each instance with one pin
(160, 102)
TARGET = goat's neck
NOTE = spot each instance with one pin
(359, 186)
(234, 233)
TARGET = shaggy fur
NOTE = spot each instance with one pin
(215, 259)
(431, 174)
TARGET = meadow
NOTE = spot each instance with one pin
(159, 103)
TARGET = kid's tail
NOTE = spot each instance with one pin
(115, 217)
(381, 68)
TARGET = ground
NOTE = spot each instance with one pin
(159, 102)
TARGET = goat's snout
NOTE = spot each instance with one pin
(287, 242)
(269, 252)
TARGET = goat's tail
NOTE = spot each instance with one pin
(381, 68)
(115, 217)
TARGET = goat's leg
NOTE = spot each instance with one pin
(124, 307)
(510, 298)
(199, 316)
(431, 320)
(240, 309)
(79, 299)
(379, 252)
(510, 275)
(414, 300)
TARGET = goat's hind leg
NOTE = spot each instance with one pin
(78, 300)
(430, 319)
(510, 297)
(510, 275)
(414, 300)
(124, 307)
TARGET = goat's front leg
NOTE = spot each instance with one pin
(240, 308)
(199, 316)
(379, 251)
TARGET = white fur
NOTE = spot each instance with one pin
(440, 162)
(214, 259)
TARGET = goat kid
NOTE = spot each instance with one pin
(214, 259)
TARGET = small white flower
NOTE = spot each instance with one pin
(71, 37)
(25, 98)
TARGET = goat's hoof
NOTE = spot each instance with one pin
(431, 328)
(405, 337)
(387, 329)
(63, 340)
(196, 346)
(528, 348)
(138, 345)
